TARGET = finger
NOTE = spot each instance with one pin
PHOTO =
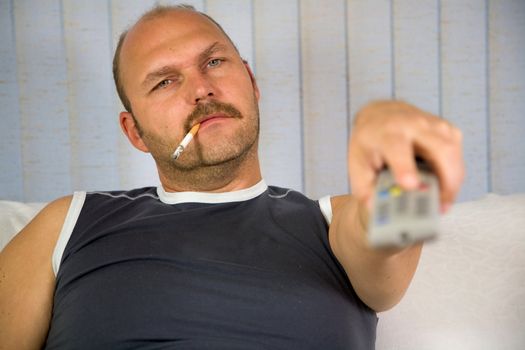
(400, 158)
(445, 155)
(362, 168)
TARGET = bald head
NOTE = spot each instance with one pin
(154, 13)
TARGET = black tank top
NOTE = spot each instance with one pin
(138, 273)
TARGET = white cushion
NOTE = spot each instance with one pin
(469, 289)
(14, 216)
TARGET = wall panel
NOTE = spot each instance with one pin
(11, 178)
(369, 52)
(416, 57)
(278, 65)
(94, 128)
(507, 95)
(464, 87)
(42, 80)
(325, 115)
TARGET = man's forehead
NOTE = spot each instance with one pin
(173, 22)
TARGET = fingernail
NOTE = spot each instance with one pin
(409, 181)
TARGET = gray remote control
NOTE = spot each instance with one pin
(400, 218)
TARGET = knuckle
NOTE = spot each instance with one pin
(395, 129)
(444, 128)
(425, 121)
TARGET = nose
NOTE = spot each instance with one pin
(203, 97)
(200, 88)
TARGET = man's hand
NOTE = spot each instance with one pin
(392, 133)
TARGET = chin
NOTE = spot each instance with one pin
(218, 156)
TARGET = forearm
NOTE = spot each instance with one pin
(379, 277)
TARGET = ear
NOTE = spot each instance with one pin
(252, 78)
(131, 130)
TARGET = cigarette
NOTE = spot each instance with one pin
(185, 141)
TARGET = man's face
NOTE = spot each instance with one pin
(180, 69)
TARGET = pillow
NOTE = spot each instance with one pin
(469, 289)
(14, 216)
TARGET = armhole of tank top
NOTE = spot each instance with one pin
(326, 208)
(69, 224)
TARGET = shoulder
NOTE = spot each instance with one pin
(52, 216)
(49, 219)
(57, 208)
(42, 231)
(332, 206)
(36, 242)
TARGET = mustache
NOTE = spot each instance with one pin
(213, 107)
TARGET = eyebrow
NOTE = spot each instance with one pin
(210, 50)
(163, 71)
(157, 74)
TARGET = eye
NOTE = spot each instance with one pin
(214, 62)
(164, 83)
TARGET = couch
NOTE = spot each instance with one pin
(468, 291)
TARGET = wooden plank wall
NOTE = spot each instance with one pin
(317, 63)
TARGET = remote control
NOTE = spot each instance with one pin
(400, 218)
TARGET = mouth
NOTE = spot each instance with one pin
(208, 119)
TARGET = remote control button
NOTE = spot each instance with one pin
(422, 205)
(402, 204)
(382, 213)
(383, 194)
(424, 186)
(395, 191)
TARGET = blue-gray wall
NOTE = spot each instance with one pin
(316, 62)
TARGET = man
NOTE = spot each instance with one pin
(214, 258)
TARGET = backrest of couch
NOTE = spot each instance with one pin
(14, 216)
(469, 289)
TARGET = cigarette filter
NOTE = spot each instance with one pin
(185, 141)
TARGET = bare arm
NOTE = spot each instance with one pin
(379, 277)
(390, 133)
(27, 281)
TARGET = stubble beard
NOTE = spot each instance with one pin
(204, 165)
